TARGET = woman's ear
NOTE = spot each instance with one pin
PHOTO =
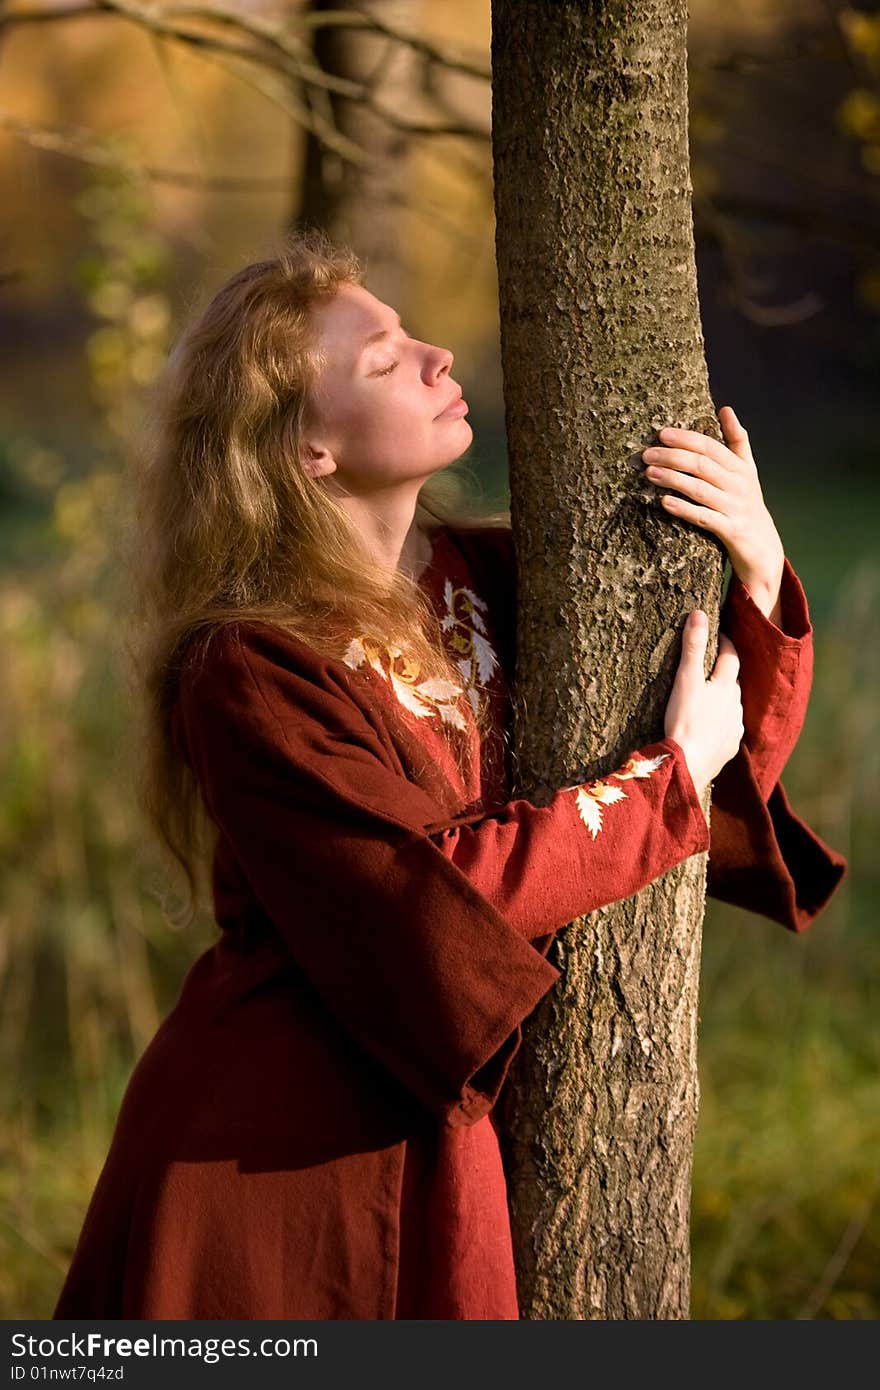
(317, 462)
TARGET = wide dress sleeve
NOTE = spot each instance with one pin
(762, 855)
(347, 857)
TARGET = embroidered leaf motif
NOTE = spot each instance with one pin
(467, 643)
(590, 813)
(464, 621)
(591, 799)
(466, 667)
(354, 654)
(607, 795)
(592, 796)
(409, 669)
(433, 696)
(360, 650)
(408, 696)
(451, 714)
(486, 658)
(472, 606)
(438, 689)
(450, 618)
(639, 767)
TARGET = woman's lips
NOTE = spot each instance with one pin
(453, 411)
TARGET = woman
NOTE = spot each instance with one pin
(326, 672)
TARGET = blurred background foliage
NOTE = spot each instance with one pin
(138, 168)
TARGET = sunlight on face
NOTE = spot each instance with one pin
(384, 408)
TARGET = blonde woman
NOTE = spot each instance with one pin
(324, 659)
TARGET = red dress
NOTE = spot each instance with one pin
(309, 1133)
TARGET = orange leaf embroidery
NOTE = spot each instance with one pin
(590, 797)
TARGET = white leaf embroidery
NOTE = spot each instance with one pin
(470, 648)
(408, 696)
(438, 689)
(477, 603)
(355, 655)
(448, 594)
(600, 791)
(591, 797)
(639, 767)
(590, 812)
(479, 661)
(486, 658)
(466, 666)
(452, 715)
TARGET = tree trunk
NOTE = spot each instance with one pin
(361, 206)
(601, 346)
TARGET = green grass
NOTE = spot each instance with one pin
(786, 1216)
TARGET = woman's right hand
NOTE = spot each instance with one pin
(705, 717)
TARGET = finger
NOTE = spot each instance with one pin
(716, 522)
(699, 465)
(693, 644)
(700, 443)
(695, 488)
(735, 435)
(727, 663)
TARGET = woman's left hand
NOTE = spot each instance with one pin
(722, 480)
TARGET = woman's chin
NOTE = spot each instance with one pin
(465, 435)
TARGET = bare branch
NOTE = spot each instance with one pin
(455, 60)
(277, 54)
(278, 48)
(43, 14)
(280, 56)
(274, 35)
(296, 50)
(451, 58)
(451, 128)
(309, 116)
(76, 143)
(181, 99)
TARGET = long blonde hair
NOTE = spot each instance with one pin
(227, 527)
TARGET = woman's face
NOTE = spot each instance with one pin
(379, 409)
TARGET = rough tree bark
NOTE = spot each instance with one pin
(361, 206)
(601, 346)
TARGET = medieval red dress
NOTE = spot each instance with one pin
(309, 1134)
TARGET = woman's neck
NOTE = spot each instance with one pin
(393, 536)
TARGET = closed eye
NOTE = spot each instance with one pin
(386, 371)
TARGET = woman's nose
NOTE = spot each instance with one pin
(441, 361)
